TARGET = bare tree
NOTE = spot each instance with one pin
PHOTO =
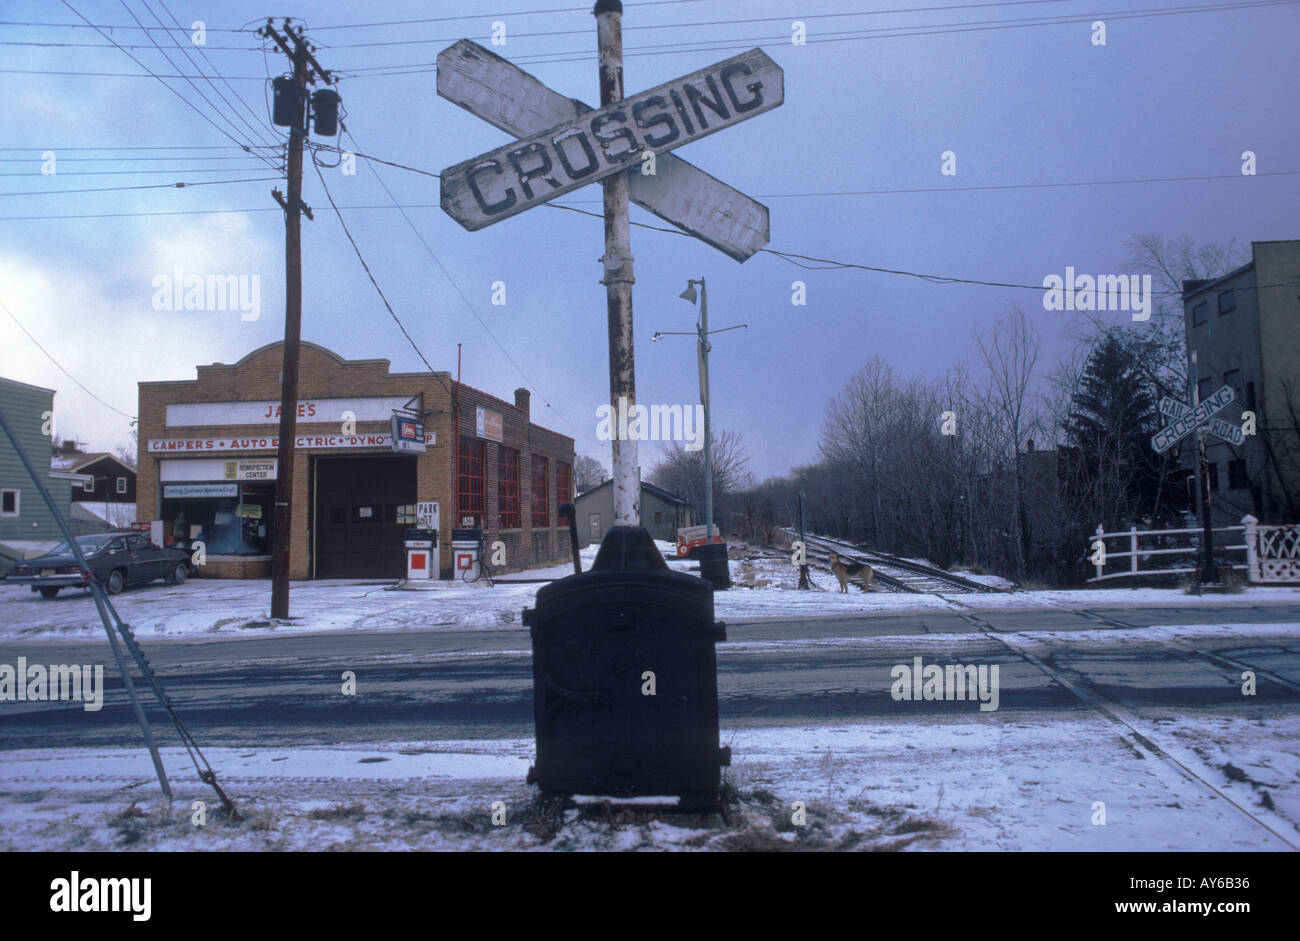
(681, 472)
(587, 473)
(1010, 354)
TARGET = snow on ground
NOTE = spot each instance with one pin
(764, 588)
(973, 782)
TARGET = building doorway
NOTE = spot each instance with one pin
(361, 510)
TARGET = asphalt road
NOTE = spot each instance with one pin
(420, 686)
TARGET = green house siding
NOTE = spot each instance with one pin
(24, 409)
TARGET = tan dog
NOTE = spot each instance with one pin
(844, 570)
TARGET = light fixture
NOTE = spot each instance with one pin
(689, 294)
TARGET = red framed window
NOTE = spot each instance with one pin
(508, 488)
(539, 492)
(469, 491)
(563, 483)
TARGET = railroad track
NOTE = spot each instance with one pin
(894, 572)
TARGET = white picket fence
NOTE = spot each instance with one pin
(1268, 554)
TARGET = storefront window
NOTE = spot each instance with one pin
(228, 518)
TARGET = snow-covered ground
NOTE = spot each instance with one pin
(989, 782)
(764, 588)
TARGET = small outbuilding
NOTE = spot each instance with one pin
(662, 513)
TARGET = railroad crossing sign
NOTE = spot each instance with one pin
(1186, 419)
(563, 144)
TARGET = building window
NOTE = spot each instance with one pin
(9, 503)
(508, 488)
(1204, 390)
(659, 517)
(1233, 378)
(121, 485)
(407, 514)
(563, 483)
(1237, 476)
(469, 498)
(228, 518)
(594, 521)
(1227, 302)
(1198, 314)
(539, 492)
(88, 485)
(1250, 396)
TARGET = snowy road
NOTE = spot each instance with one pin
(1138, 710)
(419, 686)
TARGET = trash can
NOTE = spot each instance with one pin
(419, 545)
(464, 552)
(713, 565)
(625, 686)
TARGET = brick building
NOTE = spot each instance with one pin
(207, 466)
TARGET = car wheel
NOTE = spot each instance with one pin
(116, 582)
(179, 574)
(49, 592)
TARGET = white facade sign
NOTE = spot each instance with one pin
(255, 469)
(180, 491)
(271, 442)
(329, 411)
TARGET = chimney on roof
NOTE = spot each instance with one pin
(522, 397)
(69, 447)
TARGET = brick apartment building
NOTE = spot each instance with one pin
(207, 466)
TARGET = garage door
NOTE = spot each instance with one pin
(357, 501)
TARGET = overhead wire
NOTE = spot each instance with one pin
(50, 357)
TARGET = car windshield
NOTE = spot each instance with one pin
(88, 544)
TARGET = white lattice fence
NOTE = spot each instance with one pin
(1273, 552)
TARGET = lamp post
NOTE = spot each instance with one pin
(702, 343)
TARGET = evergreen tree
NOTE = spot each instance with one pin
(1118, 477)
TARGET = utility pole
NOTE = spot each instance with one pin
(704, 348)
(291, 109)
(618, 277)
(1209, 570)
(803, 569)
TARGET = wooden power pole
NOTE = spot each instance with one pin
(305, 69)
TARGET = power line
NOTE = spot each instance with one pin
(487, 16)
(128, 172)
(140, 147)
(259, 132)
(369, 274)
(189, 103)
(257, 135)
(463, 297)
(150, 186)
(51, 358)
(700, 23)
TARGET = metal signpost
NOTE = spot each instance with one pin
(625, 145)
(1199, 417)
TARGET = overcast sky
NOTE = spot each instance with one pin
(1169, 96)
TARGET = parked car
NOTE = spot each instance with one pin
(116, 560)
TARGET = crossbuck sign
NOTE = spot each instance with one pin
(1186, 419)
(564, 144)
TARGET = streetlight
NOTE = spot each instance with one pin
(703, 345)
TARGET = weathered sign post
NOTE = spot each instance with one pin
(624, 145)
(1199, 417)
